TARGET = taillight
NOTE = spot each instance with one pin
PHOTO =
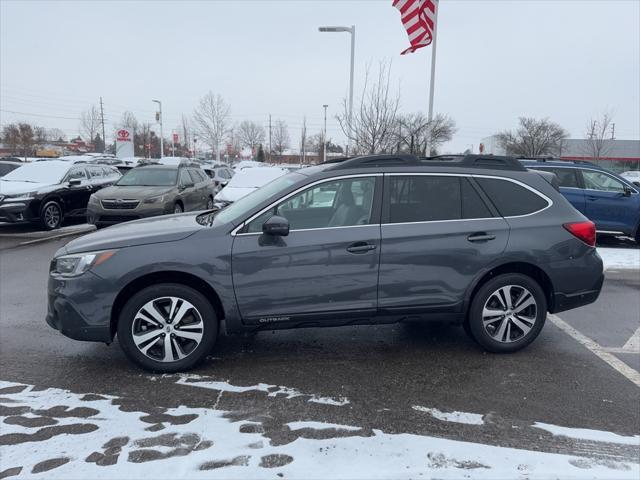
(585, 231)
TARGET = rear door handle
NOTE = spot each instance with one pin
(592, 198)
(360, 247)
(480, 237)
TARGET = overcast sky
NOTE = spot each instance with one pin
(497, 60)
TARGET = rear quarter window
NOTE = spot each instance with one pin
(511, 199)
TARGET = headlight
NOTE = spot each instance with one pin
(19, 197)
(93, 199)
(74, 265)
(158, 199)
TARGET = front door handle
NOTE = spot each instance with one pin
(592, 198)
(480, 237)
(360, 247)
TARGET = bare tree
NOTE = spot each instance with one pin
(26, 138)
(250, 134)
(211, 117)
(371, 130)
(128, 120)
(415, 133)
(280, 136)
(40, 135)
(186, 131)
(598, 138)
(11, 136)
(533, 138)
(303, 141)
(90, 123)
(56, 135)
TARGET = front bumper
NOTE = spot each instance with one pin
(15, 212)
(97, 215)
(80, 307)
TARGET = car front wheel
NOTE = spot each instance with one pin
(177, 208)
(167, 328)
(51, 215)
(507, 313)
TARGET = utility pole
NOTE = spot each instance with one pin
(159, 118)
(104, 140)
(324, 135)
(269, 138)
(613, 131)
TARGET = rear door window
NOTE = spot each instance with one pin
(511, 199)
(567, 177)
(472, 204)
(601, 181)
(424, 198)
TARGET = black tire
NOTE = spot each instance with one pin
(178, 208)
(514, 337)
(51, 215)
(157, 294)
(210, 203)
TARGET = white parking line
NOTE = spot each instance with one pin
(611, 360)
(633, 343)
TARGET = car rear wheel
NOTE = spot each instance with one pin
(507, 313)
(51, 215)
(177, 208)
(167, 328)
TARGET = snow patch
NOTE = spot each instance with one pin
(587, 434)
(271, 390)
(95, 438)
(620, 258)
(455, 417)
(321, 426)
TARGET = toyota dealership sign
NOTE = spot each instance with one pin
(124, 143)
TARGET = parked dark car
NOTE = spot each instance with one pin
(609, 200)
(47, 192)
(149, 191)
(477, 240)
(7, 166)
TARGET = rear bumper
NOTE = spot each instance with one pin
(563, 302)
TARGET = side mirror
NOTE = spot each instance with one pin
(627, 191)
(74, 182)
(276, 226)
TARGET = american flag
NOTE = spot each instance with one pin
(419, 19)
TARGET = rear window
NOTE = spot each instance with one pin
(510, 198)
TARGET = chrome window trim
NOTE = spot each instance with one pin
(234, 232)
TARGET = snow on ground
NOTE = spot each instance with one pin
(271, 390)
(320, 426)
(591, 435)
(53, 433)
(620, 258)
(455, 417)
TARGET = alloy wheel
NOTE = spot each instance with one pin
(210, 203)
(52, 216)
(509, 313)
(167, 329)
(177, 208)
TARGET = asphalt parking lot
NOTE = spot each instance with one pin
(575, 391)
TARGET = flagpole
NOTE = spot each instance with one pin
(433, 76)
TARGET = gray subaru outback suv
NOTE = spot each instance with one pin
(374, 239)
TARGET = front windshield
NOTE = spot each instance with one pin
(149, 177)
(241, 207)
(39, 172)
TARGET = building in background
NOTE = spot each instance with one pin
(616, 155)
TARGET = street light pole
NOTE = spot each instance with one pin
(352, 31)
(161, 134)
(324, 136)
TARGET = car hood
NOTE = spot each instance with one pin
(231, 194)
(133, 192)
(11, 188)
(167, 228)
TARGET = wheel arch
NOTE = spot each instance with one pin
(528, 269)
(155, 278)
